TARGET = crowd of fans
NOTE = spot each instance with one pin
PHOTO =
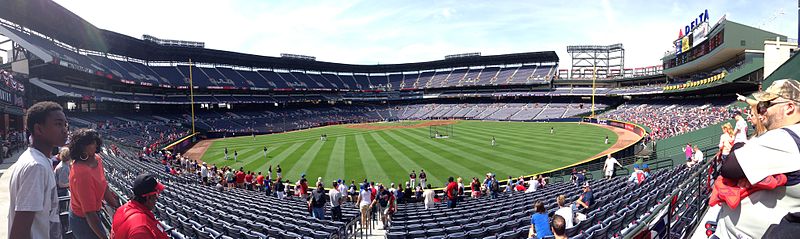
(667, 120)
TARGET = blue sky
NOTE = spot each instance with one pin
(381, 32)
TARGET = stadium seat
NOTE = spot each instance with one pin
(457, 235)
(177, 235)
(396, 235)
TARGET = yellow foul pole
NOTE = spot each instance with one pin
(594, 78)
(191, 93)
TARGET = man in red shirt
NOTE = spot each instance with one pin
(452, 192)
(248, 180)
(259, 182)
(240, 178)
(135, 219)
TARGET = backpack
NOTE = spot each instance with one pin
(639, 178)
(495, 186)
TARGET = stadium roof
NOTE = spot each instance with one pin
(51, 19)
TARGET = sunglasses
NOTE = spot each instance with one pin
(762, 106)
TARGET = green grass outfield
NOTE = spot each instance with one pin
(389, 155)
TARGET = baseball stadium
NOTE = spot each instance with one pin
(571, 142)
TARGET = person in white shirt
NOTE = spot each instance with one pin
(428, 195)
(336, 200)
(365, 202)
(564, 210)
(33, 207)
(62, 172)
(740, 130)
(608, 166)
(533, 185)
(697, 157)
(204, 173)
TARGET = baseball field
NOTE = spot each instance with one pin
(387, 152)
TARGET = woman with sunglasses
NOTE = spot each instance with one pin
(88, 185)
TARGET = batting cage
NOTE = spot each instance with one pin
(440, 131)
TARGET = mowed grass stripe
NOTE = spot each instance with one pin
(302, 163)
(335, 169)
(478, 163)
(470, 143)
(436, 157)
(371, 168)
(530, 153)
(551, 147)
(319, 163)
(278, 159)
(530, 159)
(272, 151)
(353, 165)
(521, 134)
(391, 168)
(406, 163)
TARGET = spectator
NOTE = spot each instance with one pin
(725, 141)
(608, 166)
(559, 226)
(768, 162)
(62, 172)
(280, 188)
(353, 191)
(260, 182)
(687, 151)
(342, 188)
(540, 222)
(204, 173)
(428, 195)
(460, 187)
(33, 205)
(740, 131)
(637, 176)
(302, 188)
(365, 204)
(248, 180)
(452, 193)
(391, 208)
(580, 177)
(533, 186)
(87, 182)
(240, 178)
(317, 202)
(336, 202)
(586, 200)
(135, 219)
(564, 210)
(475, 188)
(697, 158)
(407, 193)
(230, 178)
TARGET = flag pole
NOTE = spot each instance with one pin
(191, 92)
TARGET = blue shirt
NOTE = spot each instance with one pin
(541, 223)
(588, 198)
